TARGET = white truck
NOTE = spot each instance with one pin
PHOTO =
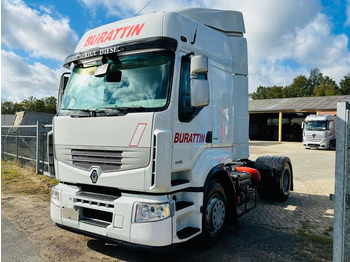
(150, 142)
(319, 131)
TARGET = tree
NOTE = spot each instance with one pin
(276, 92)
(327, 87)
(46, 105)
(314, 79)
(7, 108)
(345, 85)
(50, 104)
(298, 88)
(261, 93)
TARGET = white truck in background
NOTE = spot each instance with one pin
(319, 131)
(150, 143)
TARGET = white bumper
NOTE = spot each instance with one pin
(114, 219)
(322, 144)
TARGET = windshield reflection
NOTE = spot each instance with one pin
(139, 82)
(316, 125)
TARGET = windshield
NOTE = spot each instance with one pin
(139, 82)
(316, 125)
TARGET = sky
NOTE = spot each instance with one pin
(285, 38)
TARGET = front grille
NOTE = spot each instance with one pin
(95, 222)
(96, 209)
(88, 195)
(107, 160)
(316, 139)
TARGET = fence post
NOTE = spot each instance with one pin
(17, 146)
(341, 233)
(37, 152)
(2, 147)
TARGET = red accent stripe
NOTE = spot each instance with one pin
(138, 133)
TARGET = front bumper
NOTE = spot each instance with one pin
(110, 217)
(323, 144)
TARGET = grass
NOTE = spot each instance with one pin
(313, 247)
(315, 239)
(24, 180)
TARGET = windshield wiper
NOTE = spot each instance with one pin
(90, 112)
(132, 109)
(105, 111)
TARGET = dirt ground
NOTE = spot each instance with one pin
(25, 200)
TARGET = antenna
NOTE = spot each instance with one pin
(142, 8)
(195, 32)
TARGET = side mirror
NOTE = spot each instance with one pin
(199, 64)
(62, 87)
(199, 87)
(303, 125)
(199, 92)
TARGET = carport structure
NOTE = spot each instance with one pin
(280, 119)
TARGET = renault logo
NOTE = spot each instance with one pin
(94, 174)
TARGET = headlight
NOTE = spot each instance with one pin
(146, 212)
(55, 196)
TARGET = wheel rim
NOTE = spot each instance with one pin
(286, 181)
(215, 214)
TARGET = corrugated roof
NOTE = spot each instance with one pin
(297, 103)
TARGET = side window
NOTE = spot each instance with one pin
(186, 111)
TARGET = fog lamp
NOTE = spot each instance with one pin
(55, 196)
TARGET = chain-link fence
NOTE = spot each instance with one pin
(28, 144)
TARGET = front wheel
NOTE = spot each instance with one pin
(214, 213)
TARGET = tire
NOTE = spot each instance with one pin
(214, 214)
(285, 181)
(276, 177)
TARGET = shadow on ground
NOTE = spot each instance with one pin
(268, 233)
(245, 243)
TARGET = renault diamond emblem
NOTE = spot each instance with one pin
(95, 173)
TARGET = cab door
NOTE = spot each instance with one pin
(192, 128)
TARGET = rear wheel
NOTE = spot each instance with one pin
(284, 183)
(276, 177)
(214, 213)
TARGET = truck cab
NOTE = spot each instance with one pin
(319, 132)
(151, 125)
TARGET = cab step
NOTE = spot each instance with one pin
(178, 182)
(182, 205)
(187, 232)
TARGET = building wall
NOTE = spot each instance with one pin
(327, 112)
(7, 120)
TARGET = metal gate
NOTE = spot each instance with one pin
(341, 235)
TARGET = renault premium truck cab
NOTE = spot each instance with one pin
(150, 143)
(319, 131)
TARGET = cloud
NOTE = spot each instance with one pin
(37, 33)
(290, 30)
(20, 80)
(285, 39)
(127, 8)
(347, 22)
